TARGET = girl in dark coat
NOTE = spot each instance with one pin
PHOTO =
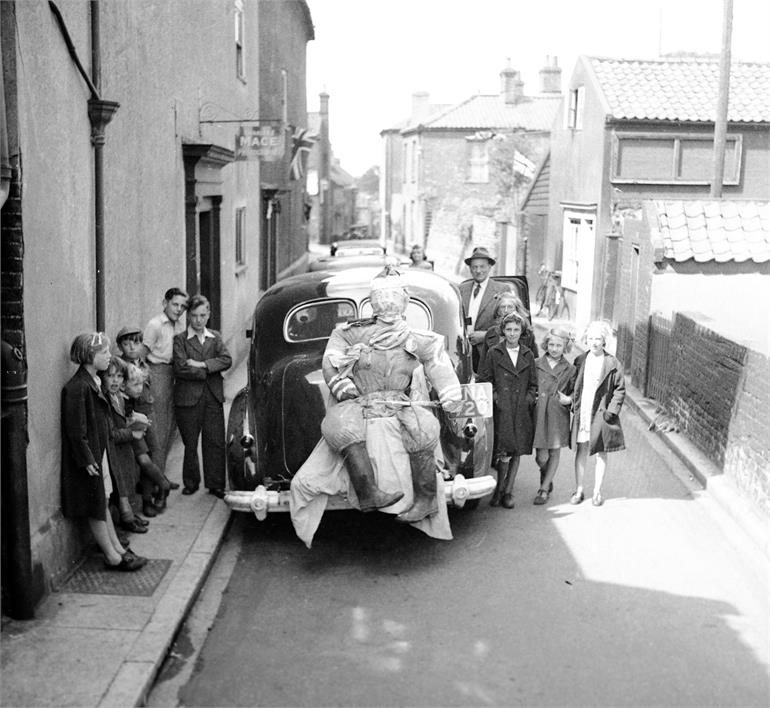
(85, 479)
(600, 390)
(555, 382)
(510, 367)
(508, 302)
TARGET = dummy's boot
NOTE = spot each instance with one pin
(502, 469)
(423, 466)
(359, 467)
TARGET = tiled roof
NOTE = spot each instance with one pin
(433, 110)
(714, 230)
(490, 112)
(682, 89)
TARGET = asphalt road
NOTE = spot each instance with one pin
(656, 598)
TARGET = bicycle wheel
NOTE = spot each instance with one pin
(540, 298)
(565, 314)
(554, 303)
(549, 308)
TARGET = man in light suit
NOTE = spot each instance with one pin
(480, 297)
(200, 357)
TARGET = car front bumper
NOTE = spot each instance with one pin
(261, 501)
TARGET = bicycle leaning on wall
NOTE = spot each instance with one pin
(550, 297)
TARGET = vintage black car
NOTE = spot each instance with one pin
(275, 421)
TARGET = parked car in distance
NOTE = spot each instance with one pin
(357, 247)
(345, 261)
(275, 422)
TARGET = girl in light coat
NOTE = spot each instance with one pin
(600, 390)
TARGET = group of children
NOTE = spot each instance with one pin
(548, 403)
(110, 449)
(107, 433)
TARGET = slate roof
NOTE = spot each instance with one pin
(681, 89)
(714, 230)
(485, 112)
(433, 110)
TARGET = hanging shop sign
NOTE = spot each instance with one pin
(264, 141)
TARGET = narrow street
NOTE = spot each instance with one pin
(656, 598)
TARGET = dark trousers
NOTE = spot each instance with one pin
(206, 419)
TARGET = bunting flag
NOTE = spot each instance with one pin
(301, 143)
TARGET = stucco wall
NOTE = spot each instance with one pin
(734, 296)
(161, 60)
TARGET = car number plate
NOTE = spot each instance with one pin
(476, 401)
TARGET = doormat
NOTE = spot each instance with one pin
(93, 578)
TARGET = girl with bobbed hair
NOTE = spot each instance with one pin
(85, 478)
(555, 383)
(510, 368)
(600, 391)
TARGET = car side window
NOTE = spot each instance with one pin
(316, 320)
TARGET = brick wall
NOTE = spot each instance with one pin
(706, 376)
(747, 453)
(718, 392)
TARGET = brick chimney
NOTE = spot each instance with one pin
(550, 76)
(420, 106)
(511, 85)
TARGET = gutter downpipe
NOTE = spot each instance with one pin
(100, 113)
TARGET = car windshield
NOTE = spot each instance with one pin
(316, 320)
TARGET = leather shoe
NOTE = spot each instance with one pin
(187, 491)
(507, 501)
(129, 562)
(148, 509)
(597, 499)
(133, 526)
(172, 485)
(576, 498)
(217, 492)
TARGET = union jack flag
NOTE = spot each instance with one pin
(301, 143)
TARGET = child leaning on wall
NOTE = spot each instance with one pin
(85, 479)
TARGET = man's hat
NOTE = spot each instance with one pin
(125, 331)
(480, 252)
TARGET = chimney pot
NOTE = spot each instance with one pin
(550, 76)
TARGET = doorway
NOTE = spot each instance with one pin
(210, 277)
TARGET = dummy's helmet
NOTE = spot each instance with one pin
(388, 293)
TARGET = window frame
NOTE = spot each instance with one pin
(240, 238)
(478, 170)
(240, 59)
(575, 108)
(677, 138)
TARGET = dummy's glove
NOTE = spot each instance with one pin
(344, 389)
(611, 418)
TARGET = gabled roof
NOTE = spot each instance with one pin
(483, 112)
(713, 230)
(684, 89)
(433, 110)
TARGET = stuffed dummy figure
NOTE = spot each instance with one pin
(368, 365)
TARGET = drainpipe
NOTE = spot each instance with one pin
(100, 113)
